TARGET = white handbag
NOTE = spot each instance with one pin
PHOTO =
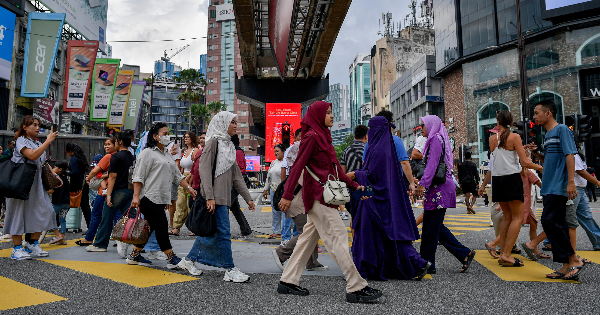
(95, 183)
(335, 191)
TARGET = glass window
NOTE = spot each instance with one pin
(243, 125)
(244, 113)
(542, 59)
(422, 87)
(591, 49)
(242, 137)
(211, 47)
(213, 14)
(210, 69)
(493, 72)
(211, 25)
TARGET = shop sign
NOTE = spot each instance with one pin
(451, 128)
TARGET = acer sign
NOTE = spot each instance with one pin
(280, 22)
(41, 44)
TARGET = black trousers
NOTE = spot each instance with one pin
(85, 204)
(238, 214)
(591, 192)
(554, 221)
(433, 231)
(157, 220)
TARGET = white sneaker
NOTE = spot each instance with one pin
(235, 275)
(283, 243)
(318, 268)
(19, 253)
(122, 249)
(92, 248)
(190, 266)
(344, 217)
(6, 237)
(36, 250)
(158, 255)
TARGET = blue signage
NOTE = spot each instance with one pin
(7, 36)
(438, 99)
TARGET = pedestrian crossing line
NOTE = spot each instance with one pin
(17, 294)
(266, 209)
(531, 270)
(461, 228)
(464, 223)
(47, 247)
(137, 276)
(468, 220)
(591, 255)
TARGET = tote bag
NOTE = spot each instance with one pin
(16, 179)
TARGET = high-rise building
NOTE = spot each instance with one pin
(202, 69)
(166, 69)
(223, 61)
(339, 97)
(360, 86)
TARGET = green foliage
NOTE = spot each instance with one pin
(193, 82)
(339, 149)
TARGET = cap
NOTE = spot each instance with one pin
(494, 130)
(96, 159)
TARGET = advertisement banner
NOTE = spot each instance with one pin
(280, 24)
(81, 57)
(134, 105)
(119, 100)
(276, 116)
(47, 111)
(252, 163)
(41, 45)
(7, 36)
(88, 17)
(225, 12)
(103, 87)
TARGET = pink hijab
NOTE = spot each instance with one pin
(435, 127)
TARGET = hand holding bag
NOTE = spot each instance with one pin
(200, 221)
(49, 180)
(335, 191)
(131, 230)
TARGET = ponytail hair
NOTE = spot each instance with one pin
(75, 148)
(505, 120)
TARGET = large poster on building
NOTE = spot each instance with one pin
(280, 23)
(276, 116)
(88, 17)
(41, 45)
(120, 97)
(103, 86)
(134, 105)
(47, 111)
(7, 36)
(81, 57)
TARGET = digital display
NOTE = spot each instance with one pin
(555, 4)
(252, 163)
(562, 10)
(276, 116)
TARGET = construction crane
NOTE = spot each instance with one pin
(165, 58)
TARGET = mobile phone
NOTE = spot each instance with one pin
(368, 192)
(82, 60)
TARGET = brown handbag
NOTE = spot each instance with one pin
(49, 181)
(75, 199)
(131, 230)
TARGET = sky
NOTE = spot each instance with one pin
(154, 19)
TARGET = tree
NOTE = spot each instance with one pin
(339, 149)
(193, 83)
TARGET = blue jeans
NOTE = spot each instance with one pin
(585, 218)
(62, 222)
(121, 200)
(215, 250)
(286, 230)
(96, 217)
(152, 245)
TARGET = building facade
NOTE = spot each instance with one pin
(360, 87)
(203, 59)
(415, 94)
(339, 97)
(481, 70)
(340, 130)
(223, 62)
(166, 69)
(167, 109)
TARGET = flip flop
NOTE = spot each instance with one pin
(517, 263)
(544, 256)
(529, 251)
(559, 275)
(80, 243)
(467, 264)
(575, 275)
(546, 248)
(492, 251)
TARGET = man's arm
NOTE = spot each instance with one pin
(416, 155)
(571, 188)
(408, 173)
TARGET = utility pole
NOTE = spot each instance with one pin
(522, 72)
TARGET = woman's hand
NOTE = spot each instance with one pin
(108, 201)
(351, 175)
(192, 192)
(52, 135)
(419, 191)
(251, 205)
(265, 194)
(61, 182)
(135, 203)
(363, 189)
(284, 204)
(210, 204)
(481, 190)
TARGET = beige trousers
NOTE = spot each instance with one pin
(326, 223)
(183, 208)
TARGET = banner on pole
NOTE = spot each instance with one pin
(47, 111)
(81, 57)
(119, 100)
(134, 105)
(41, 45)
(7, 36)
(103, 87)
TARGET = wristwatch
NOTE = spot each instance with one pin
(188, 187)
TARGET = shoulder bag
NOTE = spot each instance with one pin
(278, 194)
(200, 221)
(440, 173)
(16, 179)
(335, 191)
(49, 181)
(131, 230)
(95, 183)
(75, 199)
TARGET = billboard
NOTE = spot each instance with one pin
(41, 45)
(81, 57)
(225, 12)
(119, 100)
(134, 105)
(252, 163)
(103, 86)
(7, 36)
(278, 114)
(47, 111)
(88, 17)
(280, 25)
(565, 9)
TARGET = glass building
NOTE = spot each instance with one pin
(360, 86)
(339, 97)
(203, 65)
(166, 108)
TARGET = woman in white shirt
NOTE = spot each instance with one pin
(190, 142)
(273, 180)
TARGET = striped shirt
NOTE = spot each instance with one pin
(352, 157)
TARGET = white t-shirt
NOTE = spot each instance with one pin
(579, 165)
(420, 144)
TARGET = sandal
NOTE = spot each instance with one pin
(504, 263)
(56, 240)
(559, 275)
(467, 263)
(492, 251)
(515, 250)
(272, 236)
(547, 248)
(544, 256)
(173, 233)
(575, 275)
(530, 252)
(191, 234)
(80, 243)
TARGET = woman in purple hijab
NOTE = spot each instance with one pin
(438, 197)
(384, 226)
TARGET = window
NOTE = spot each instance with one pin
(213, 14)
(415, 92)
(493, 72)
(244, 113)
(243, 125)
(242, 137)
(216, 3)
(211, 58)
(422, 87)
(211, 47)
(210, 36)
(210, 92)
(542, 59)
(210, 80)
(210, 69)
(211, 25)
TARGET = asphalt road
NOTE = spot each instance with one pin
(483, 289)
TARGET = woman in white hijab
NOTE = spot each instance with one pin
(215, 187)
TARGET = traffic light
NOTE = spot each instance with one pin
(285, 134)
(570, 122)
(584, 127)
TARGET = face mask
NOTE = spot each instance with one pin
(165, 140)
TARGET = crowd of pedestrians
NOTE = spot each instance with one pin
(384, 182)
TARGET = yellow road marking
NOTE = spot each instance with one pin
(531, 271)
(461, 228)
(266, 209)
(591, 255)
(472, 220)
(266, 236)
(453, 233)
(17, 295)
(137, 276)
(464, 223)
(47, 247)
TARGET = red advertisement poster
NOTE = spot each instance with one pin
(280, 23)
(252, 163)
(277, 115)
(81, 57)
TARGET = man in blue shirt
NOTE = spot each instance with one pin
(558, 186)
(400, 151)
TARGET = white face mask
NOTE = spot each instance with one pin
(165, 140)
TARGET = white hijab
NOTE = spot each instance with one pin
(217, 129)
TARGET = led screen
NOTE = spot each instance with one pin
(276, 115)
(252, 163)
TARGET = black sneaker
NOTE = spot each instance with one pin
(423, 272)
(138, 260)
(367, 294)
(288, 288)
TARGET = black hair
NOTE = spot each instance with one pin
(151, 142)
(387, 114)
(12, 142)
(236, 140)
(125, 137)
(280, 146)
(202, 133)
(489, 154)
(298, 132)
(467, 155)
(360, 132)
(549, 106)
(63, 165)
(75, 148)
